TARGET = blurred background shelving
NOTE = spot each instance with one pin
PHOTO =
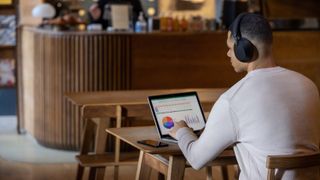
(8, 95)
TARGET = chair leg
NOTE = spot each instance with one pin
(161, 176)
(116, 173)
(209, 172)
(176, 168)
(100, 173)
(224, 171)
(143, 170)
(92, 173)
(80, 171)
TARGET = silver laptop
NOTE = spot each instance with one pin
(169, 108)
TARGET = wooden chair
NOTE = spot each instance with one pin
(285, 162)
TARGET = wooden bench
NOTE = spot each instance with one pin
(97, 111)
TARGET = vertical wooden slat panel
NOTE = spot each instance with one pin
(64, 83)
(73, 63)
(72, 89)
(101, 63)
(59, 94)
(77, 89)
(95, 63)
(47, 76)
(110, 63)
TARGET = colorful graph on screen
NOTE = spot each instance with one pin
(167, 122)
(192, 119)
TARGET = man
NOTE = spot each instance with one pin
(96, 10)
(271, 111)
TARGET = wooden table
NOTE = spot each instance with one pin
(174, 167)
(98, 107)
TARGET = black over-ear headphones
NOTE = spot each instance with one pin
(243, 48)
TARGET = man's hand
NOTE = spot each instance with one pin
(95, 11)
(176, 127)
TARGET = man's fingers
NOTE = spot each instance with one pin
(182, 123)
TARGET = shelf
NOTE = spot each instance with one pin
(7, 46)
(7, 87)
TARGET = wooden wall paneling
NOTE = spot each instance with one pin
(77, 88)
(293, 9)
(68, 78)
(85, 55)
(81, 86)
(47, 94)
(301, 53)
(100, 63)
(70, 82)
(128, 69)
(39, 87)
(114, 62)
(95, 63)
(109, 60)
(181, 61)
(92, 64)
(104, 62)
(57, 90)
(63, 57)
(119, 61)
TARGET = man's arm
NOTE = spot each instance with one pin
(220, 132)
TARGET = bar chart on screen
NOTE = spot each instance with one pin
(191, 119)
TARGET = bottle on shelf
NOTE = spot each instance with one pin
(141, 24)
(176, 26)
(163, 23)
(184, 24)
(169, 23)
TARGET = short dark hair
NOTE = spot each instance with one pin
(256, 27)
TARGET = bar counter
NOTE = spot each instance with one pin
(52, 63)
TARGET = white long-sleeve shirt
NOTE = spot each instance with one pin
(271, 111)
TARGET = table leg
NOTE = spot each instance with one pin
(143, 170)
(100, 144)
(117, 143)
(176, 168)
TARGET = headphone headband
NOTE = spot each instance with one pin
(235, 29)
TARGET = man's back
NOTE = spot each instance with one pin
(276, 111)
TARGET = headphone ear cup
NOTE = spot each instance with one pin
(244, 50)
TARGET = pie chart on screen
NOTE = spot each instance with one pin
(167, 122)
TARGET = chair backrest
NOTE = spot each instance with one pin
(296, 161)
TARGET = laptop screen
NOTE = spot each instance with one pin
(167, 109)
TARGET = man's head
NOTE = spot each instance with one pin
(249, 41)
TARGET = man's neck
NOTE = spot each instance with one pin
(267, 62)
